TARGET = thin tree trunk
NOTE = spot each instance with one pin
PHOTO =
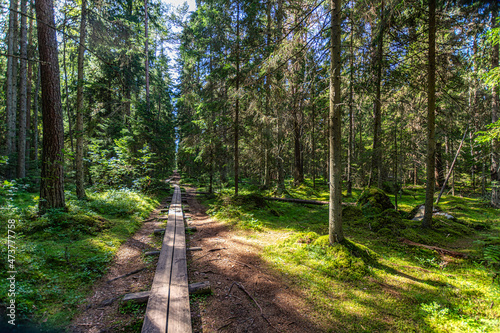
(351, 109)
(375, 178)
(80, 177)
(35, 116)
(237, 110)
(23, 92)
(279, 159)
(431, 119)
(336, 233)
(146, 52)
(52, 177)
(11, 105)
(451, 169)
(29, 130)
(66, 87)
(495, 147)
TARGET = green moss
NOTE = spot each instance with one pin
(352, 214)
(322, 241)
(373, 201)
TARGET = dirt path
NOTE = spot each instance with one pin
(228, 258)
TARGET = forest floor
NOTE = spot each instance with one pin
(234, 268)
(248, 296)
(101, 311)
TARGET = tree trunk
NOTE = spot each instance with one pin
(52, 177)
(336, 233)
(279, 159)
(35, 117)
(431, 118)
(495, 147)
(80, 178)
(23, 91)
(66, 87)
(237, 110)
(375, 178)
(29, 129)
(11, 105)
(146, 53)
(351, 109)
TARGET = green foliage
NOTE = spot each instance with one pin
(122, 166)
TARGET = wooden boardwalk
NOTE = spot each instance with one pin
(168, 304)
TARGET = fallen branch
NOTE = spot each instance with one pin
(435, 248)
(128, 274)
(217, 249)
(301, 201)
(253, 299)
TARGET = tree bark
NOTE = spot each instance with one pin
(23, 91)
(351, 109)
(146, 53)
(375, 178)
(279, 159)
(52, 176)
(495, 147)
(336, 233)
(431, 118)
(80, 178)
(237, 109)
(29, 129)
(11, 105)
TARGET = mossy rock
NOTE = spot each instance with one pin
(373, 200)
(340, 261)
(388, 219)
(352, 214)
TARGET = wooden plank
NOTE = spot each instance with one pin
(140, 297)
(155, 318)
(179, 314)
(198, 288)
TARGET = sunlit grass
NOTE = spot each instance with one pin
(61, 254)
(391, 288)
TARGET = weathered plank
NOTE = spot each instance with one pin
(155, 319)
(168, 305)
(179, 315)
(198, 288)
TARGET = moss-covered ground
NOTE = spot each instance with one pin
(374, 282)
(61, 254)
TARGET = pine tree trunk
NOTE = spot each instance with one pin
(80, 178)
(11, 105)
(23, 91)
(375, 177)
(29, 129)
(35, 116)
(431, 119)
(495, 148)
(146, 53)
(52, 177)
(237, 110)
(336, 233)
(351, 109)
(279, 159)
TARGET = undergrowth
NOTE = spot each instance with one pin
(61, 254)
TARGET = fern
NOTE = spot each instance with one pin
(492, 254)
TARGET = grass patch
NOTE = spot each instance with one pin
(61, 254)
(373, 282)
